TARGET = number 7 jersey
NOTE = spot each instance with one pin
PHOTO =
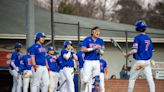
(144, 46)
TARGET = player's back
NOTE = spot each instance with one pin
(52, 63)
(80, 56)
(144, 47)
(103, 65)
(26, 60)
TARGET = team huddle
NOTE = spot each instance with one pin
(52, 71)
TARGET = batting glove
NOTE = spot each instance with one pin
(35, 67)
(153, 62)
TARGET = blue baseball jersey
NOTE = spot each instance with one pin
(53, 66)
(60, 62)
(103, 65)
(25, 63)
(90, 43)
(144, 47)
(16, 57)
(39, 52)
(80, 56)
(69, 62)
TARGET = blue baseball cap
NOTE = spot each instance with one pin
(50, 48)
(67, 42)
(18, 45)
(80, 44)
(140, 25)
(39, 35)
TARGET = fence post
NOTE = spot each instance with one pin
(29, 22)
(52, 25)
(126, 38)
(78, 32)
(79, 74)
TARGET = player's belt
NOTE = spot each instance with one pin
(69, 66)
(55, 71)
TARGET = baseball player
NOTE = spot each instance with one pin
(80, 56)
(142, 51)
(96, 84)
(62, 78)
(54, 69)
(103, 67)
(68, 55)
(14, 69)
(93, 47)
(27, 73)
(40, 71)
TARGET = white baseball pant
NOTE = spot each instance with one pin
(61, 80)
(27, 75)
(40, 77)
(91, 69)
(17, 81)
(54, 76)
(88, 85)
(102, 88)
(69, 75)
(146, 70)
(81, 76)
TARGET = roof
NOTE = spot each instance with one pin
(12, 24)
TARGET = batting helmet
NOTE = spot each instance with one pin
(67, 42)
(39, 35)
(50, 48)
(80, 44)
(141, 25)
(18, 45)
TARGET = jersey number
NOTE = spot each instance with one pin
(147, 42)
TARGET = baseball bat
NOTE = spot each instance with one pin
(117, 45)
(61, 85)
(63, 82)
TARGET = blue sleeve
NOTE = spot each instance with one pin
(32, 51)
(57, 61)
(84, 43)
(48, 59)
(64, 52)
(105, 64)
(135, 43)
(13, 56)
(21, 66)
